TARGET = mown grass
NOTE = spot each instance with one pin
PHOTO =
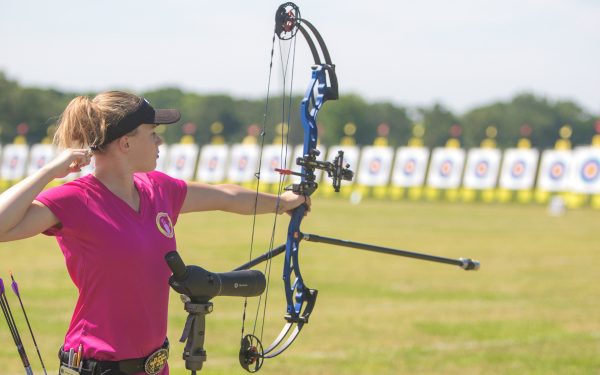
(533, 308)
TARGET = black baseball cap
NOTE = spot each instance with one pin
(143, 113)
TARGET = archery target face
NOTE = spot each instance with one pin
(41, 162)
(180, 162)
(518, 169)
(375, 166)
(483, 165)
(274, 156)
(446, 168)
(242, 162)
(409, 167)
(213, 163)
(275, 163)
(482, 168)
(585, 174)
(14, 162)
(557, 171)
(39, 156)
(554, 170)
(589, 171)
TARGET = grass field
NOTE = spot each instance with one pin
(533, 308)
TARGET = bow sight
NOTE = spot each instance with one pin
(309, 163)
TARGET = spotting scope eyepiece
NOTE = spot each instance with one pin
(175, 263)
(201, 285)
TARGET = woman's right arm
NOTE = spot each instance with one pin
(20, 215)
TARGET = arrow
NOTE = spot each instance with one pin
(15, 288)
(13, 329)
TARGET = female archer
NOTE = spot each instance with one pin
(115, 226)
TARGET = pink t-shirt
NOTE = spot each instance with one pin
(115, 257)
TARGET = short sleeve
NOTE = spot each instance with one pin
(69, 203)
(176, 190)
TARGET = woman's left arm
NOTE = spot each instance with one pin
(236, 199)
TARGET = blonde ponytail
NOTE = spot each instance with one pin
(83, 123)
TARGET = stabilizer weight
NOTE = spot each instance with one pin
(469, 264)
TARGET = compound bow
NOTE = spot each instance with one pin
(300, 298)
(287, 23)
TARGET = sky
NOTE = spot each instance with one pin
(462, 54)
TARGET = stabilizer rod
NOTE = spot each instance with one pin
(465, 264)
(258, 260)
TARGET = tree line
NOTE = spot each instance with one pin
(40, 109)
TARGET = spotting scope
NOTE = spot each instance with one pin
(201, 285)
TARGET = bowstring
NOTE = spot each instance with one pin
(257, 175)
(283, 158)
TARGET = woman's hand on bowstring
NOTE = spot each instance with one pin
(69, 161)
(291, 201)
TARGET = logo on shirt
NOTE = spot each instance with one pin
(164, 224)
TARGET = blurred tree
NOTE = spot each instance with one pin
(38, 108)
(41, 108)
(544, 117)
(438, 121)
(367, 117)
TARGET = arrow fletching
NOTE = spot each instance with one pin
(15, 288)
(1, 287)
(14, 285)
